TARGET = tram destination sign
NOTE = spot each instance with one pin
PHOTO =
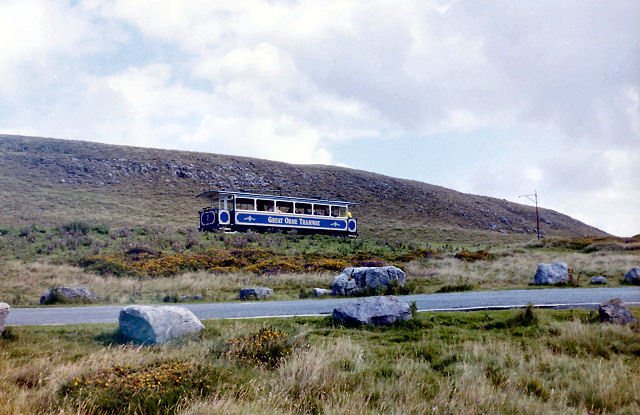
(290, 221)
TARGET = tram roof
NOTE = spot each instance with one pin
(212, 194)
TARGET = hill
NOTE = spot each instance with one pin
(50, 181)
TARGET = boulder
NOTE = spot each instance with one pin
(633, 276)
(191, 298)
(4, 312)
(379, 310)
(615, 311)
(67, 295)
(255, 293)
(157, 324)
(598, 280)
(549, 274)
(321, 292)
(353, 281)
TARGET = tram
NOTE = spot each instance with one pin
(240, 211)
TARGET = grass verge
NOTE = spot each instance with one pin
(491, 362)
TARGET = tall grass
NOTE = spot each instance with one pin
(446, 363)
(23, 283)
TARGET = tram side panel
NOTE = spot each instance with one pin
(215, 219)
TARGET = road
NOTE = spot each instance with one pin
(550, 297)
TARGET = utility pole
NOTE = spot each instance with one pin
(535, 199)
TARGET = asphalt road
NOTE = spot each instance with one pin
(475, 300)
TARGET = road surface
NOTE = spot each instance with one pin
(475, 300)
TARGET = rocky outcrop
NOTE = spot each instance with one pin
(4, 312)
(551, 274)
(615, 311)
(67, 295)
(633, 276)
(598, 280)
(354, 281)
(157, 324)
(379, 311)
(321, 292)
(255, 293)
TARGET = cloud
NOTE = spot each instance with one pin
(33, 34)
(294, 81)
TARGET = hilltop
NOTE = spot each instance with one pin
(49, 181)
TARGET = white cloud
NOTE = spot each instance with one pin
(32, 34)
(285, 80)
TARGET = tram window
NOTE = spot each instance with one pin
(303, 208)
(284, 207)
(245, 204)
(321, 210)
(339, 211)
(265, 205)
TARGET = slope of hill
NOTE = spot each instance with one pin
(50, 181)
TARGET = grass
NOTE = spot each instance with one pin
(26, 274)
(494, 362)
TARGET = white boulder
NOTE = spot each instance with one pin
(378, 310)
(355, 280)
(4, 312)
(633, 276)
(157, 324)
(551, 274)
(67, 295)
(255, 293)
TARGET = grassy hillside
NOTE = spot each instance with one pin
(49, 182)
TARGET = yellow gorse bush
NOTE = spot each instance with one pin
(265, 348)
(249, 260)
(148, 388)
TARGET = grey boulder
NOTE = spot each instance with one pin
(321, 292)
(191, 298)
(157, 324)
(550, 274)
(4, 312)
(355, 280)
(378, 310)
(615, 311)
(633, 276)
(68, 295)
(598, 280)
(255, 293)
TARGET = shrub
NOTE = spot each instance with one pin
(77, 227)
(266, 348)
(524, 318)
(328, 264)
(149, 388)
(105, 264)
(101, 229)
(394, 288)
(413, 255)
(528, 316)
(274, 266)
(171, 298)
(413, 307)
(456, 288)
(474, 256)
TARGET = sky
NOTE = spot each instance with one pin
(498, 98)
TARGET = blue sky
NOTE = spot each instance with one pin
(496, 98)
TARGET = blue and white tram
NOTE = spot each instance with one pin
(241, 211)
